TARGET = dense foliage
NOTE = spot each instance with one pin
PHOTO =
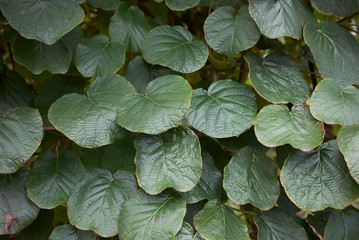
(179, 119)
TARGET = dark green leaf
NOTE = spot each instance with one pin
(72, 39)
(343, 224)
(105, 4)
(336, 7)
(40, 229)
(181, 5)
(319, 220)
(69, 232)
(186, 233)
(267, 43)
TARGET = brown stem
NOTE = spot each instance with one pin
(49, 128)
(346, 18)
(348, 28)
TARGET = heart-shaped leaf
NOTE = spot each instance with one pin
(172, 159)
(91, 121)
(43, 20)
(105, 4)
(163, 106)
(176, 48)
(96, 201)
(230, 32)
(343, 224)
(334, 104)
(312, 180)
(151, 217)
(99, 56)
(276, 125)
(69, 232)
(217, 221)
(20, 135)
(16, 209)
(251, 178)
(277, 78)
(52, 178)
(336, 7)
(182, 5)
(227, 109)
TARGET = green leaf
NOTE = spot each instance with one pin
(90, 121)
(276, 224)
(95, 202)
(140, 74)
(14, 92)
(279, 18)
(16, 210)
(129, 26)
(181, 5)
(186, 233)
(69, 232)
(105, 4)
(38, 57)
(318, 179)
(276, 125)
(336, 7)
(176, 48)
(151, 217)
(251, 178)
(334, 104)
(163, 106)
(277, 78)
(349, 146)
(230, 32)
(72, 39)
(172, 159)
(43, 20)
(343, 224)
(20, 135)
(335, 50)
(210, 184)
(227, 109)
(217, 221)
(99, 56)
(52, 178)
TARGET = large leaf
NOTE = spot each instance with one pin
(174, 47)
(343, 224)
(20, 135)
(348, 143)
(52, 178)
(230, 32)
(43, 20)
(318, 179)
(105, 4)
(129, 26)
(277, 78)
(336, 51)
(278, 18)
(16, 210)
(227, 109)
(99, 56)
(14, 92)
(182, 4)
(276, 125)
(217, 221)
(90, 121)
(69, 232)
(336, 7)
(163, 106)
(334, 104)
(172, 159)
(38, 56)
(95, 202)
(276, 224)
(252, 178)
(72, 39)
(151, 217)
(209, 186)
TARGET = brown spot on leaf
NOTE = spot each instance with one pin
(9, 221)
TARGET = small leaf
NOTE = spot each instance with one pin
(230, 32)
(16, 210)
(99, 56)
(336, 7)
(172, 159)
(72, 39)
(181, 5)
(20, 135)
(52, 178)
(95, 202)
(43, 20)
(105, 4)
(151, 217)
(176, 48)
(277, 78)
(217, 221)
(343, 224)
(251, 178)
(186, 233)
(227, 109)
(276, 224)
(334, 104)
(90, 120)
(163, 106)
(69, 232)
(319, 178)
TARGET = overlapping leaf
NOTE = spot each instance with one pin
(343, 224)
(181, 5)
(105, 4)
(336, 7)
(186, 233)
(69, 232)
